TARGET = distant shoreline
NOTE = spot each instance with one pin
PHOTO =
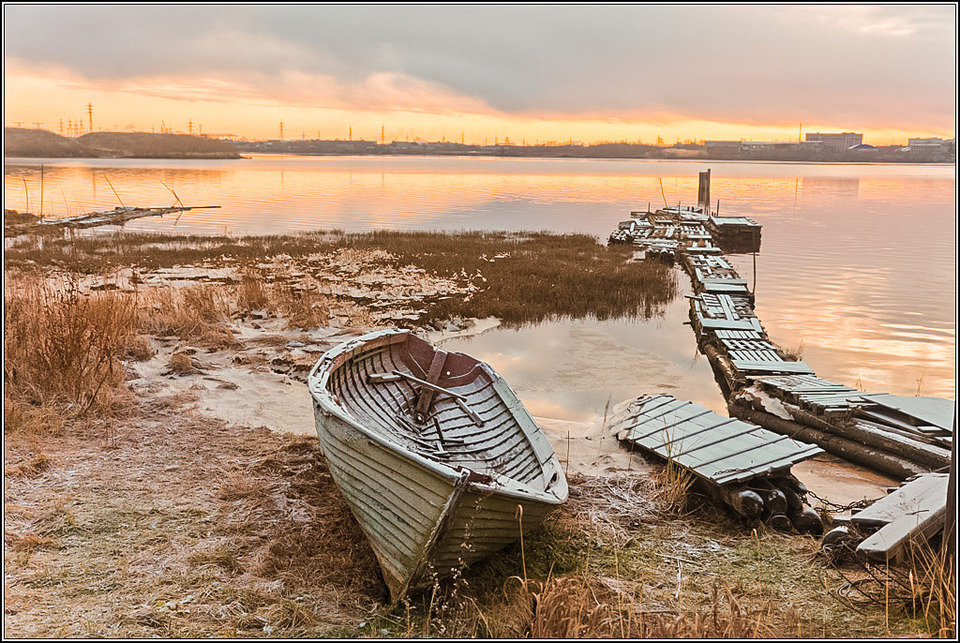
(34, 159)
(38, 143)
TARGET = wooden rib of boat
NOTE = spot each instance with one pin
(439, 461)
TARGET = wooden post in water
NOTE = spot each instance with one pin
(41, 190)
(754, 290)
(703, 191)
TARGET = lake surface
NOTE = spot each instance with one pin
(857, 262)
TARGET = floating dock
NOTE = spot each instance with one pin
(896, 435)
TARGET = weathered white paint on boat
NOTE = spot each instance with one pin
(427, 510)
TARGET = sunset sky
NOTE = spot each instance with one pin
(525, 72)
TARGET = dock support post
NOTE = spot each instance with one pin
(703, 191)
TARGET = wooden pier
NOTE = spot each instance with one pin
(899, 436)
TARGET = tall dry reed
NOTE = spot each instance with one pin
(63, 345)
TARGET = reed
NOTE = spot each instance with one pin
(195, 313)
(62, 345)
(519, 277)
(794, 354)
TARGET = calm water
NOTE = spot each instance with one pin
(858, 262)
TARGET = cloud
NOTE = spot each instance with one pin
(857, 64)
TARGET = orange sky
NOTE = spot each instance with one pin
(583, 73)
(46, 97)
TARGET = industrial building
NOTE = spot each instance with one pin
(836, 142)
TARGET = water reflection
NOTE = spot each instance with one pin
(840, 187)
(571, 370)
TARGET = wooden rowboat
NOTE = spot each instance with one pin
(436, 456)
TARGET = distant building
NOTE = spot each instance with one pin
(722, 144)
(769, 145)
(836, 142)
(925, 142)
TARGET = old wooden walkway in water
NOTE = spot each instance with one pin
(898, 435)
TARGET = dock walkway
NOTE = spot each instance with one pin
(900, 436)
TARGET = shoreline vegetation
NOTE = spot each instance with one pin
(38, 143)
(156, 485)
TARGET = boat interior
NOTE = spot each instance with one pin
(444, 406)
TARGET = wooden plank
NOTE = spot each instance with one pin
(927, 410)
(727, 307)
(922, 505)
(745, 344)
(906, 499)
(771, 367)
(726, 324)
(756, 356)
(738, 334)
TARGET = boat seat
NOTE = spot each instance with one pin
(427, 393)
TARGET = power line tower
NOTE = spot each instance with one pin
(382, 134)
(61, 126)
(350, 133)
(190, 126)
(281, 130)
(90, 114)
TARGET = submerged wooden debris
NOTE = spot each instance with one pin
(896, 435)
(911, 514)
(116, 216)
(742, 465)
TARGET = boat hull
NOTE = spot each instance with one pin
(399, 504)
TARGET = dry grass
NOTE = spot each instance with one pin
(183, 364)
(139, 349)
(252, 293)
(588, 607)
(923, 584)
(794, 354)
(136, 542)
(198, 314)
(62, 345)
(30, 543)
(237, 486)
(302, 308)
(932, 579)
(518, 277)
(673, 486)
(34, 464)
(25, 419)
